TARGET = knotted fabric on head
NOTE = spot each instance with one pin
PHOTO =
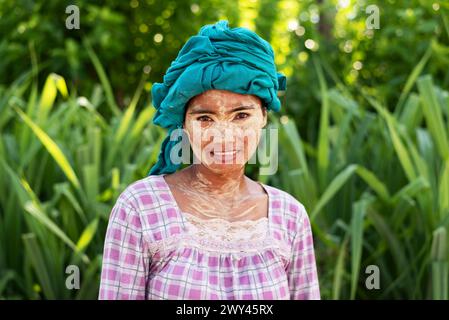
(219, 57)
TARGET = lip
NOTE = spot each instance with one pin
(225, 157)
(224, 153)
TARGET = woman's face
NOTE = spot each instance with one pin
(224, 128)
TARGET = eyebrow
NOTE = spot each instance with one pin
(202, 110)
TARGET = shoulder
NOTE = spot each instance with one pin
(289, 204)
(148, 201)
(288, 212)
(143, 194)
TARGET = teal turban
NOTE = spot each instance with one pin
(219, 57)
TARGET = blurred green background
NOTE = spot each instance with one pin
(363, 128)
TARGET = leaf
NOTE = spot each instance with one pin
(433, 115)
(323, 136)
(440, 270)
(339, 270)
(443, 195)
(332, 189)
(412, 78)
(33, 250)
(87, 235)
(52, 148)
(370, 178)
(129, 113)
(53, 84)
(103, 78)
(411, 189)
(359, 210)
(40, 216)
(401, 150)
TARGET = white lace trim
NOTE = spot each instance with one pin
(237, 251)
(221, 230)
(221, 236)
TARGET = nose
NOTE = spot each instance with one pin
(225, 137)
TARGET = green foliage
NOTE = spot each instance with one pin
(386, 193)
(60, 176)
(122, 33)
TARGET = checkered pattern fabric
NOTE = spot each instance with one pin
(150, 254)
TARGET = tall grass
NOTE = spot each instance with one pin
(62, 165)
(375, 183)
(376, 187)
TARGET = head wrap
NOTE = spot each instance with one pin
(219, 57)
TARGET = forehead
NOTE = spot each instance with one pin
(222, 98)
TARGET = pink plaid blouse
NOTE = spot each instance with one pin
(153, 250)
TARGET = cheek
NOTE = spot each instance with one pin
(251, 140)
(256, 121)
(252, 129)
(193, 126)
(198, 134)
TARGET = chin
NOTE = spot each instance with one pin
(224, 168)
(222, 165)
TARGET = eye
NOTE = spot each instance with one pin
(204, 119)
(241, 115)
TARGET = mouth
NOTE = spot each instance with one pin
(224, 153)
(224, 157)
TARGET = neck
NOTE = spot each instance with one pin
(225, 184)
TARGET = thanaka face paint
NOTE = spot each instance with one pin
(224, 128)
(230, 127)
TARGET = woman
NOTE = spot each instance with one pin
(208, 231)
